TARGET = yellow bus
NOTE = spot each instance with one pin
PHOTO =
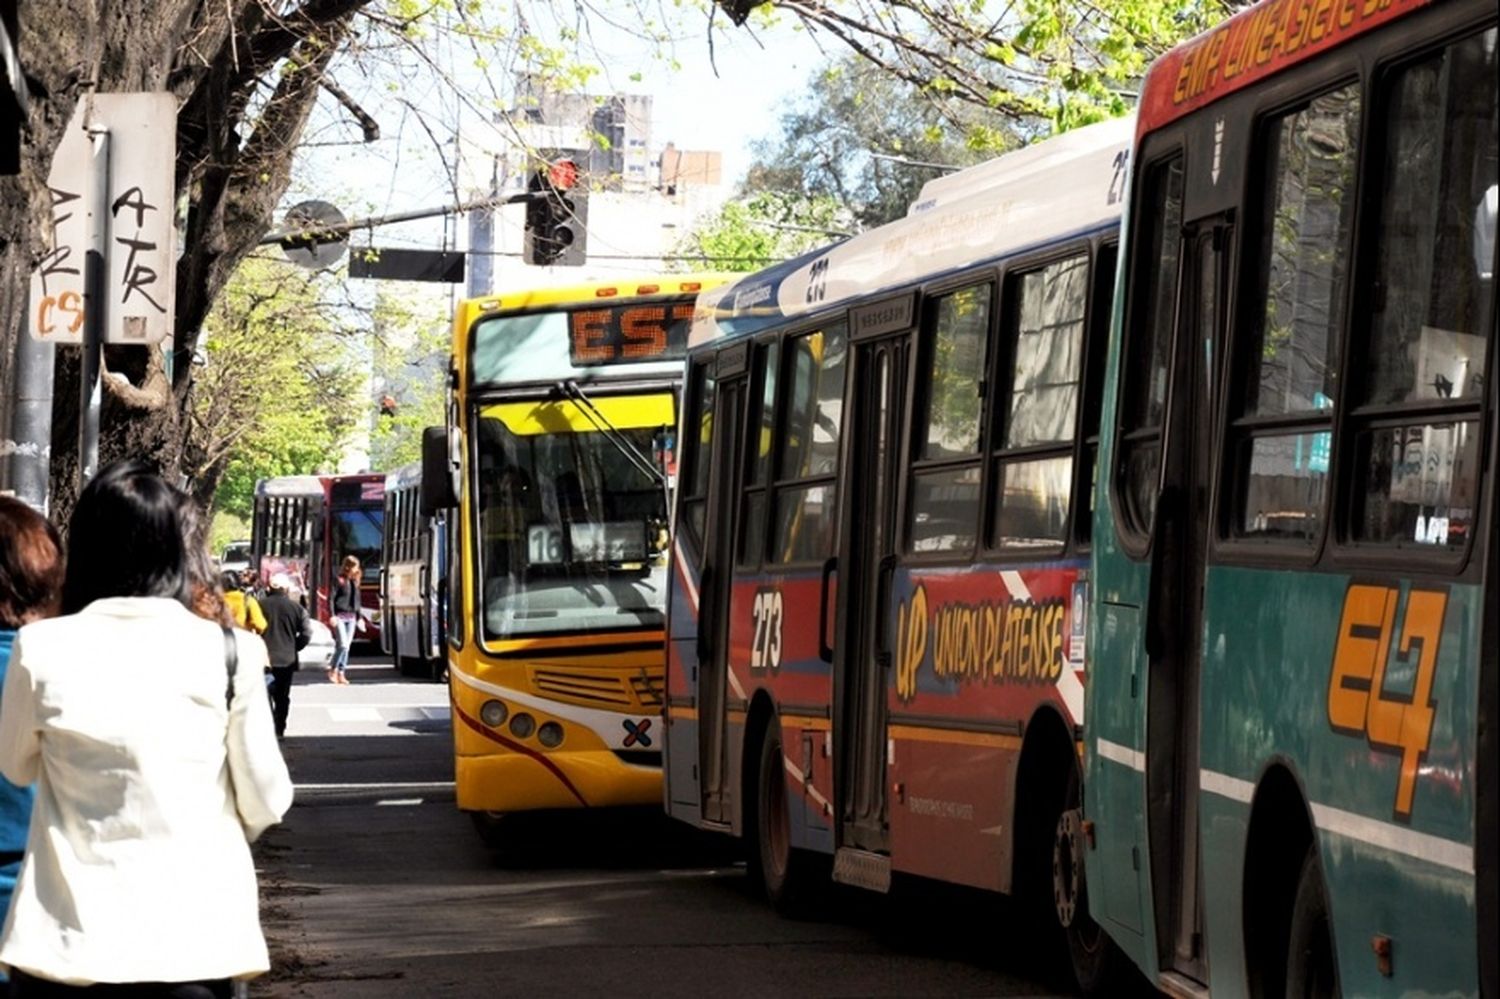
(556, 464)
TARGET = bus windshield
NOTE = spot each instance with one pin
(357, 532)
(572, 529)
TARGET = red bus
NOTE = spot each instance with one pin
(304, 525)
(876, 634)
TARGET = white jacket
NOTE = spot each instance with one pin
(138, 864)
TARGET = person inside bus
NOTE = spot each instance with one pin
(154, 767)
(345, 617)
(31, 574)
(288, 630)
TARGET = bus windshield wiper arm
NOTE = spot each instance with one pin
(570, 390)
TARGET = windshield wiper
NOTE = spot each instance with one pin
(570, 390)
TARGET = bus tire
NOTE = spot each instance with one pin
(1097, 965)
(1311, 971)
(494, 832)
(789, 878)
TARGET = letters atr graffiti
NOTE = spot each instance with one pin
(1001, 641)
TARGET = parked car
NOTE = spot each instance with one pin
(317, 653)
(235, 557)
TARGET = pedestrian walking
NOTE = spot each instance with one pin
(345, 617)
(31, 572)
(242, 605)
(151, 746)
(288, 630)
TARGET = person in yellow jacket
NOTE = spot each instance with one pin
(242, 606)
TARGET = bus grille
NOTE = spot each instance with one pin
(609, 689)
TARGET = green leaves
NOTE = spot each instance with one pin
(757, 230)
(279, 391)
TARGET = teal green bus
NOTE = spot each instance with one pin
(1290, 759)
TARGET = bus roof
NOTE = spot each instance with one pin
(1258, 42)
(641, 286)
(404, 477)
(1060, 187)
(290, 485)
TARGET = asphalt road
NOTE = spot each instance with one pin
(375, 885)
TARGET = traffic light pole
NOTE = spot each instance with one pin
(332, 233)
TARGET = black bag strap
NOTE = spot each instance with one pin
(231, 663)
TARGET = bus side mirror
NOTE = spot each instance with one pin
(439, 472)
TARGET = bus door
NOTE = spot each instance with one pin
(868, 558)
(1174, 627)
(716, 583)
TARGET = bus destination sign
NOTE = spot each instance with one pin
(1252, 45)
(629, 333)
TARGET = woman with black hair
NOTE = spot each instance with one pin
(154, 766)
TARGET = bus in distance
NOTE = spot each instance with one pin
(304, 525)
(1291, 753)
(414, 579)
(876, 651)
(555, 469)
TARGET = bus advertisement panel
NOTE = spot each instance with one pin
(1291, 694)
(563, 409)
(876, 624)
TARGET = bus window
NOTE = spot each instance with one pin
(944, 497)
(1044, 339)
(1304, 275)
(698, 446)
(753, 510)
(806, 513)
(1158, 248)
(1417, 478)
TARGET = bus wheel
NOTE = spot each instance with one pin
(1098, 966)
(788, 877)
(1310, 968)
(494, 831)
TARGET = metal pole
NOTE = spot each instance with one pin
(482, 239)
(29, 443)
(95, 310)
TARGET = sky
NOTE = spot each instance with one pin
(721, 102)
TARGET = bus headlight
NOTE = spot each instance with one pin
(493, 713)
(522, 725)
(550, 735)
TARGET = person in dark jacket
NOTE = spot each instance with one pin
(287, 632)
(31, 575)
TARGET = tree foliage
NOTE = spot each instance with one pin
(762, 228)
(1061, 63)
(410, 364)
(278, 390)
(865, 139)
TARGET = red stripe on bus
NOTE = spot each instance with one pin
(493, 736)
(1254, 44)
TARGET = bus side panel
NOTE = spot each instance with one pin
(773, 646)
(1114, 784)
(977, 653)
(684, 794)
(1311, 669)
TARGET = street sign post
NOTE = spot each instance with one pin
(128, 206)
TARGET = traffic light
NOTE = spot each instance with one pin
(556, 217)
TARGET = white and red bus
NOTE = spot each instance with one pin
(876, 614)
(304, 525)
